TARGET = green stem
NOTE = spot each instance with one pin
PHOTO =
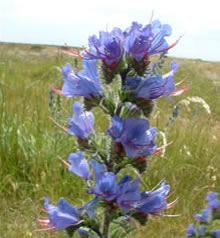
(106, 225)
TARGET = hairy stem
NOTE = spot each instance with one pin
(106, 225)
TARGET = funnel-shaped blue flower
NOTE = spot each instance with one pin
(204, 215)
(64, 215)
(85, 83)
(212, 198)
(158, 42)
(82, 123)
(154, 86)
(79, 165)
(153, 202)
(190, 231)
(216, 233)
(106, 187)
(135, 135)
(138, 40)
(108, 47)
(124, 193)
(98, 169)
(143, 41)
(129, 193)
(61, 216)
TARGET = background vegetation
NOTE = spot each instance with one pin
(30, 143)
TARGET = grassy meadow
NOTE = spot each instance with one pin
(30, 143)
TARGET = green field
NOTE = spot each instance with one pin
(30, 143)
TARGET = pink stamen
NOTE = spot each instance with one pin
(71, 53)
(171, 46)
(43, 220)
(66, 164)
(43, 210)
(159, 45)
(57, 91)
(180, 91)
(160, 149)
(180, 82)
(172, 204)
(57, 124)
(154, 188)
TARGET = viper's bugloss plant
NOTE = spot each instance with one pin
(206, 219)
(125, 56)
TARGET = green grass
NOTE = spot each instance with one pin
(30, 144)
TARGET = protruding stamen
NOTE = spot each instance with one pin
(57, 91)
(180, 91)
(66, 164)
(57, 124)
(180, 82)
(172, 204)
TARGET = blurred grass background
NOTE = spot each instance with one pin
(30, 143)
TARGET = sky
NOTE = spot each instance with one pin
(71, 22)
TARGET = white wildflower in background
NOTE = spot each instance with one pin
(196, 99)
(187, 150)
(164, 138)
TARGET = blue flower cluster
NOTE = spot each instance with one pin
(205, 219)
(115, 49)
(125, 194)
(138, 41)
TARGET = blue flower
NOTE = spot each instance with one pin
(64, 215)
(204, 215)
(212, 198)
(106, 188)
(82, 123)
(129, 193)
(79, 165)
(155, 201)
(127, 197)
(190, 231)
(201, 230)
(61, 216)
(216, 233)
(154, 86)
(158, 42)
(141, 42)
(135, 135)
(85, 83)
(107, 48)
(98, 169)
(138, 40)
(206, 218)
(124, 193)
